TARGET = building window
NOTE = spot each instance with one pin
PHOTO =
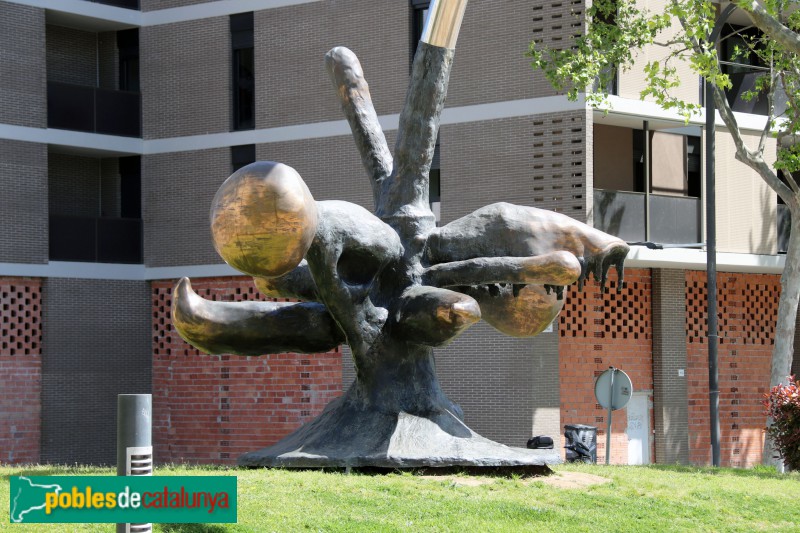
(419, 12)
(128, 49)
(242, 155)
(243, 76)
(434, 186)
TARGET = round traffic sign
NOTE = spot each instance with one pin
(613, 388)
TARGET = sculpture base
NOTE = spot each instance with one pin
(346, 436)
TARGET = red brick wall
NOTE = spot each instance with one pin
(597, 331)
(20, 369)
(748, 307)
(211, 409)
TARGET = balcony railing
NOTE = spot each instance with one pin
(95, 110)
(784, 228)
(129, 4)
(673, 219)
(95, 240)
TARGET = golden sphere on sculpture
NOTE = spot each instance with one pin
(263, 219)
(525, 315)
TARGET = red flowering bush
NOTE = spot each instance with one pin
(783, 407)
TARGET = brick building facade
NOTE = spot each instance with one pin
(119, 119)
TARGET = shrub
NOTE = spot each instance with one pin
(783, 407)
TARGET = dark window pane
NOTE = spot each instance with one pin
(128, 4)
(242, 155)
(70, 107)
(242, 22)
(130, 171)
(243, 75)
(419, 10)
(118, 113)
(243, 89)
(73, 238)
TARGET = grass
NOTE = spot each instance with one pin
(654, 498)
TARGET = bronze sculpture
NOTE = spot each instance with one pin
(390, 285)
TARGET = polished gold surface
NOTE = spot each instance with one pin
(444, 22)
(263, 219)
(525, 315)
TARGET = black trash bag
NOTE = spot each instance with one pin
(581, 443)
(540, 442)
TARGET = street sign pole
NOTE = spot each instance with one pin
(610, 410)
(613, 389)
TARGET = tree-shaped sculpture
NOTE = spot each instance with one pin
(391, 285)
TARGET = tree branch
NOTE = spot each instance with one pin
(773, 78)
(743, 154)
(770, 25)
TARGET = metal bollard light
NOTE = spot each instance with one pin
(134, 444)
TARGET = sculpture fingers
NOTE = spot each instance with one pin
(347, 76)
(252, 328)
(298, 284)
(553, 268)
(511, 230)
(432, 316)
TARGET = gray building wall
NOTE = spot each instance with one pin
(177, 190)
(71, 56)
(23, 78)
(290, 45)
(96, 345)
(185, 78)
(153, 5)
(539, 161)
(507, 387)
(23, 202)
(74, 185)
(490, 63)
(107, 60)
(670, 396)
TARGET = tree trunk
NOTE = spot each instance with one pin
(783, 351)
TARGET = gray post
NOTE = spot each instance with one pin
(610, 410)
(134, 444)
(711, 251)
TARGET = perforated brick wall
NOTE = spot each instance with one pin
(213, 408)
(748, 306)
(20, 369)
(598, 331)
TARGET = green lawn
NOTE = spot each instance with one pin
(655, 498)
